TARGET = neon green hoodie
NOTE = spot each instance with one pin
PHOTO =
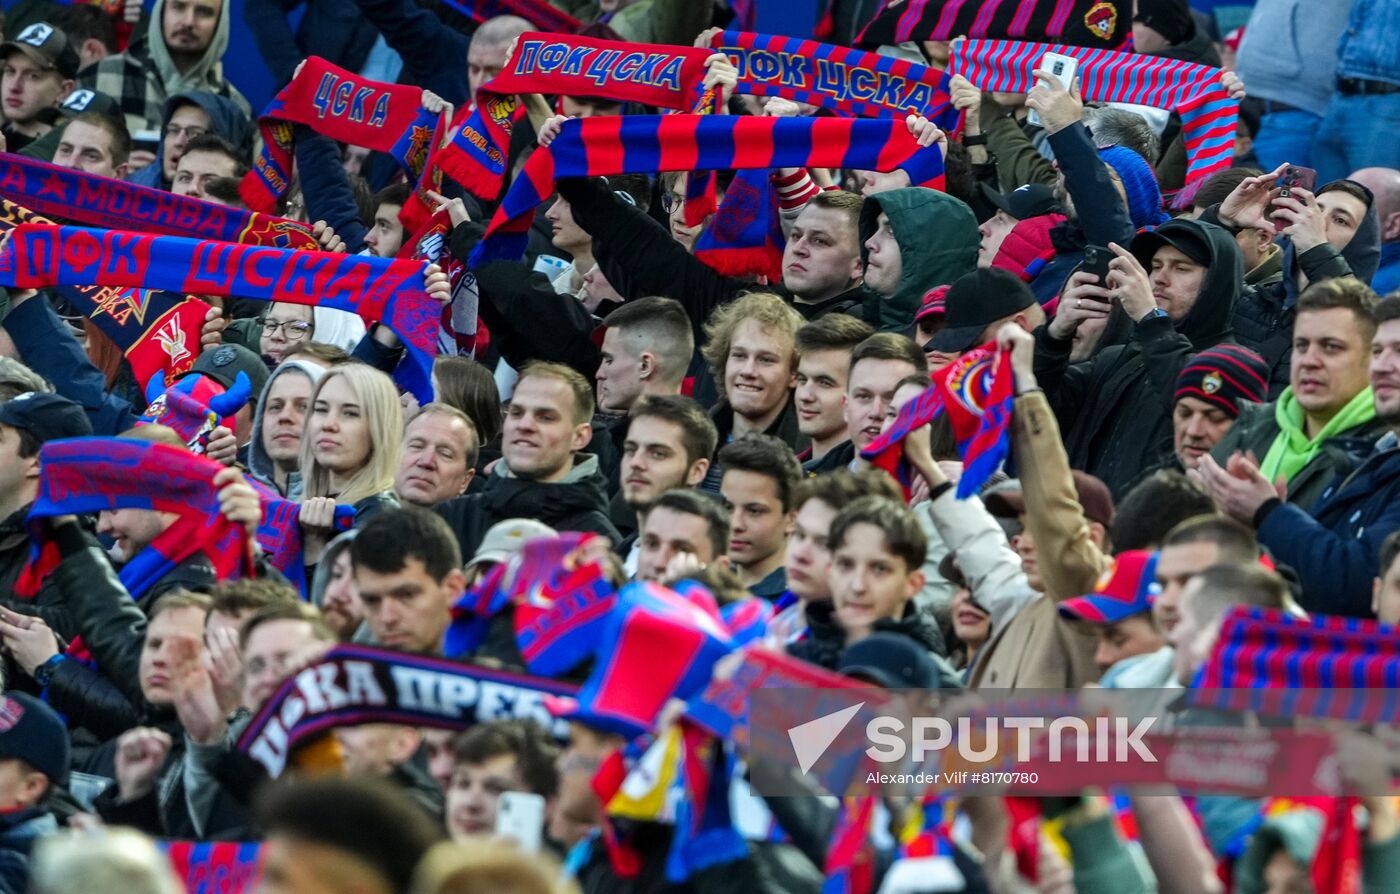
(1292, 450)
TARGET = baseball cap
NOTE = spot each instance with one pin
(1125, 588)
(1031, 200)
(935, 302)
(48, 417)
(1183, 235)
(224, 363)
(975, 301)
(46, 45)
(1092, 494)
(892, 661)
(30, 731)
(505, 538)
(85, 100)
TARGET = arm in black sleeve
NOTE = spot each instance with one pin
(1064, 385)
(530, 321)
(434, 55)
(655, 263)
(267, 19)
(90, 700)
(326, 189)
(1101, 210)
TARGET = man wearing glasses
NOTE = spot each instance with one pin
(284, 327)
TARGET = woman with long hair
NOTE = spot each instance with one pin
(349, 448)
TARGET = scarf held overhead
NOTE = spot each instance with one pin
(837, 78)
(1208, 114)
(567, 65)
(1089, 23)
(354, 685)
(593, 147)
(95, 201)
(85, 475)
(345, 107)
(157, 332)
(381, 290)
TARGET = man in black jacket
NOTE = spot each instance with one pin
(1115, 409)
(541, 473)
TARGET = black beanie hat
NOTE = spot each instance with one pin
(1169, 18)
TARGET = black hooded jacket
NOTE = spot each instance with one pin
(1264, 315)
(826, 640)
(1115, 408)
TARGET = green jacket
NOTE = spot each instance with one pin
(938, 239)
(1256, 430)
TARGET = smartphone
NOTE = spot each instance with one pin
(1063, 69)
(1096, 259)
(1293, 177)
(520, 817)
(148, 140)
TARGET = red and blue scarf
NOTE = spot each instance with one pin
(90, 200)
(381, 290)
(279, 534)
(194, 406)
(158, 332)
(746, 234)
(206, 867)
(1089, 23)
(977, 392)
(343, 106)
(658, 75)
(840, 79)
(594, 147)
(1208, 114)
(86, 475)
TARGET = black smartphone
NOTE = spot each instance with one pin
(1293, 177)
(1096, 259)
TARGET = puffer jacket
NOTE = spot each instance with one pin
(938, 238)
(1264, 315)
(1116, 407)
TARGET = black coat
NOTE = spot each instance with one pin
(826, 640)
(1115, 408)
(578, 504)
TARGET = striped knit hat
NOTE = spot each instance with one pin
(1225, 375)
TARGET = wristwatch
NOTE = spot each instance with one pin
(43, 674)
(1154, 313)
(978, 140)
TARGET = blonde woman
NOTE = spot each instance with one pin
(349, 450)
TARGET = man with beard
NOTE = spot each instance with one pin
(1333, 547)
(669, 443)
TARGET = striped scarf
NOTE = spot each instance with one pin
(977, 391)
(1270, 662)
(658, 75)
(86, 475)
(1208, 114)
(594, 147)
(345, 107)
(1089, 23)
(279, 533)
(837, 78)
(230, 867)
(94, 201)
(382, 290)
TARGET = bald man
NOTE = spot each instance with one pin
(1384, 184)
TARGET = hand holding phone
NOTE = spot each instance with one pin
(1293, 177)
(1096, 260)
(520, 818)
(1062, 68)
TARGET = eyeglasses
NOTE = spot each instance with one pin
(292, 330)
(174, 130)
(670, 201)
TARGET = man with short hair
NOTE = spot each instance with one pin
(541, 474)
(680, 521)
(1327, 396)
(490, 759)
(915, 239)
(1177, 285)
(1207, 599)
(975, 307)
(1384, 185)
(188, 115)
(1188, 549)
(332, 834)
(408, 572)
(438, 458)
(669, 443)
(647, 347)
(760, 475)
(185, 43)
(94, 144)
(823, 365)
(36, 71)
(1332, 546)
(206, 158)
(1261, 256)
(385, 235)
(878, 365)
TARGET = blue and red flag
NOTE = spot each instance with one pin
(977, 392)
(207, 867)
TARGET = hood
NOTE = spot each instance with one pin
(1208, 322)
(1297, 830)
(941, 230)
(207, 71)
(1198, 48)
(259, 463)
(1362, 253)
(1028, 248)
(225, 119)
(582, 490)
